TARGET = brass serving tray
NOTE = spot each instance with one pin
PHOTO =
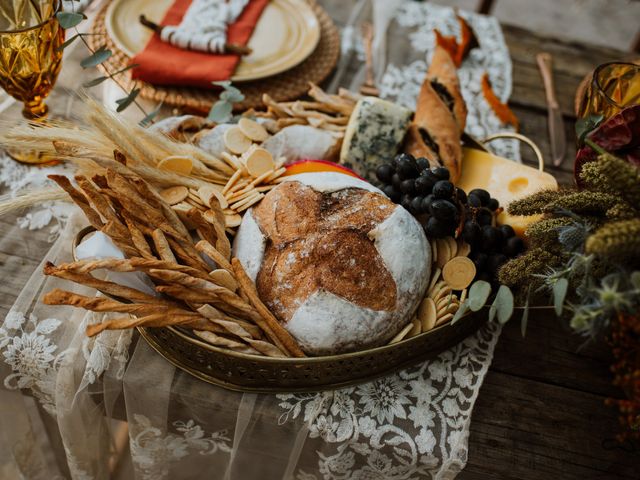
(258, 374)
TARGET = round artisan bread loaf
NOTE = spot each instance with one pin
(340, 265)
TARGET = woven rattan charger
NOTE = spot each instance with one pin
(286, 86)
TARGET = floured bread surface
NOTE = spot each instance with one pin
(339, 264)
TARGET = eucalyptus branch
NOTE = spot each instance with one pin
(71, 20)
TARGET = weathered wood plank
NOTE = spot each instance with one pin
(530, 430)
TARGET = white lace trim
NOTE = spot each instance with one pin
(402, 84)
(18, 178)
(153, 452)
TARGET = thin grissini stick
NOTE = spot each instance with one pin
(209, 250)
(205, 230)
(213, 233)
(152, 320)
(138, 239)
(181, 293)
(105, 286)
(162, 246)
(212, 313)
(189, 255)
(280, 332)
(100, 203)
(130, 265)
(236, 329)
(79, 199)
(137, 205)
(218, 341)
(225, 295)
(104, 304)
(159, 202)
(229, 324)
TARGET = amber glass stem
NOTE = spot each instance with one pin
(35, 109)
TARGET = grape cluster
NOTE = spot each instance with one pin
(426, 192)
(445, 210)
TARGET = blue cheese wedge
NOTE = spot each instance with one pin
(374, 135)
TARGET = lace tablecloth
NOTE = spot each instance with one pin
(65, 396)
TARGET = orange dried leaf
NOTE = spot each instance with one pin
(450, 44)
(502, 110)
(458, 50)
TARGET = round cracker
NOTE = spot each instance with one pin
(434, 251)
(236, 141)
(427, 314)
(232, 221)
(444, 319)
(464, 249)
(453, 246)
(174, 195)
(444, 253)
(259, 162)
(177, 164)
(459, 272)
(253, 130)
(416, 329)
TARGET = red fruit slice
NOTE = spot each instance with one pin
(310, 166)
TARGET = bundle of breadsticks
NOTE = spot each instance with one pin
(323, 111)
(220, 304)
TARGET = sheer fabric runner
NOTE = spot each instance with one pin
(64, 396)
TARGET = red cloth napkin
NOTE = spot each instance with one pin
(161, 63)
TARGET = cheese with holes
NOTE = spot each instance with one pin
(374, 134)
(506, 181)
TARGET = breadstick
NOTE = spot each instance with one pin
(278, 330)
(209, 250)
(162, 246)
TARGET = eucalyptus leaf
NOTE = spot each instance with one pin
(68, 42)
(122, 70)
(94, 82)
(232, 95)
(99, 56)
(220, 112)
(586, 125)
(222, 83)
(478, 295)
(503, 304)
(123, 103)
(635, 280)
(493, 310)
(560, 289)
(462, 309)
(69, 19)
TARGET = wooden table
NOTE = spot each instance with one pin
(541, 412)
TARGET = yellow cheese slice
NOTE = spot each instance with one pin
(505, 180)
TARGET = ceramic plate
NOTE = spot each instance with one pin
(287, 33)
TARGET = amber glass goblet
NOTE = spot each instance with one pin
(613, 87)
(30, 60)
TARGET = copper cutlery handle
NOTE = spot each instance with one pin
(545, 65)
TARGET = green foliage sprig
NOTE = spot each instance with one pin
(70, 21)
(585, 248)
(222, 110)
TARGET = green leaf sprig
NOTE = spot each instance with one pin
(71, 20)
(222, 110)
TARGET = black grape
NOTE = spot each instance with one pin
(443, 189)
(482, 195)
(385, 172)
(392, 193)
(443, 210)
